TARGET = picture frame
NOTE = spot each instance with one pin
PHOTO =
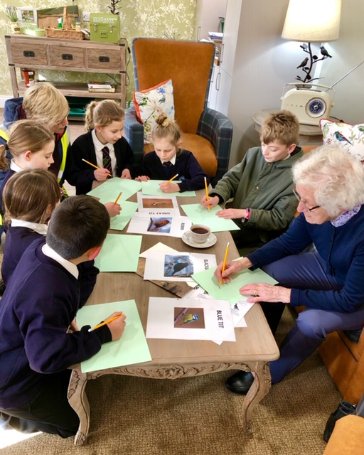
(27, 14)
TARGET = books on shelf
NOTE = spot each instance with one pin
(101, 88)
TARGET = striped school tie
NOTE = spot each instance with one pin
(106, 160)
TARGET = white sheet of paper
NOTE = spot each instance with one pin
(158, 248)
(239, 310)
(157, 205)
(218, 323)
(176, 266)
(170, 225)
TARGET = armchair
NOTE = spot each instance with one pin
(205, 132)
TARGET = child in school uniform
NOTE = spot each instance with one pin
(37, 349)
(31, 147)
(29, 199)
(168, 159)
(103, 146)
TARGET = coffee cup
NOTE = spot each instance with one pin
(199, 233)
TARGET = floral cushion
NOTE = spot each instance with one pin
(350, 137)
(150, 103)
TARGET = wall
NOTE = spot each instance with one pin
(153, 18)
(264, 63)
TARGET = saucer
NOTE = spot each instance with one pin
(211, 240)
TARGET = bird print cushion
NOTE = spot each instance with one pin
(152, 102)
(350, 137)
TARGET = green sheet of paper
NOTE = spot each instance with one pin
(132, 346)
(151, 187)
(119, 253)
(230, 291)
(199, 215)
(109, 190)
(127, 211)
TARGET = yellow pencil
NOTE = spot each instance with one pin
(91, 164)
(107, 321)
(117, 199)
(225, 259)
(170, 180)
(207, 193)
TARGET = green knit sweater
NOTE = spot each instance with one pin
(264, 188)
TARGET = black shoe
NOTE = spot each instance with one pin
(342, 410)
(240, 382)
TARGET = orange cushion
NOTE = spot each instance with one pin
(201, 148)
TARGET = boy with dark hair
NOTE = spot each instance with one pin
(261, 185)
(36, 312)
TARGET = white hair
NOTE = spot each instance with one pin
(336, 177)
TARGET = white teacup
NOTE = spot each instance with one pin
(199, 233)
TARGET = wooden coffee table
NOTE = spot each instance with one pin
(172, 359)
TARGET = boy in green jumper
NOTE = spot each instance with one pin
(261, 185)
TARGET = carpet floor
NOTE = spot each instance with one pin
(197, 416)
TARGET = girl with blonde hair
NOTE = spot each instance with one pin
(168, 160)
(103, 145)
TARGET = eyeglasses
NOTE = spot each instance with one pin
(310, 209)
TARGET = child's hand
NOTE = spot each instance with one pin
(210, 201)
(113, 209)
(126, 174)
(169, 187)
(142, 178)
(101, 174)
(230, 214)
(117, 327)
(73, 327)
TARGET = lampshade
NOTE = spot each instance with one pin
(312, 20)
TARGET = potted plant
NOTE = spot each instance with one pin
(10, 11)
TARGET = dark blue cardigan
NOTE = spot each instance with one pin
(187, 167)
(39, 303)
(341, 248)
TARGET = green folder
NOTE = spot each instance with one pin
(230, 291)
(109, 190)
(119, 253)
(199, 215)
(130, 349)
(151, 187)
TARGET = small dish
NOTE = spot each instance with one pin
(209, 242)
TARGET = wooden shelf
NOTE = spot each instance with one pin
(67, 55)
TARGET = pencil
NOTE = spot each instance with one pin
(107, 321)
(170, 180)
(225, 259)
(117, 199)
(207, 193)
(91, 164)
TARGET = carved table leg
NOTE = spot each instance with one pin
(257, 392)
(78, 401)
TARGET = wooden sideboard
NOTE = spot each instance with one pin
(35, 53)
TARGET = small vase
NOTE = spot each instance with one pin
(15, 28)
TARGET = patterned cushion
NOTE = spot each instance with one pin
(150, 103)
(350, 137)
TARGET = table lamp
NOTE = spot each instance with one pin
(310, 21)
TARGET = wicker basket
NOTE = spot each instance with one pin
(64, 34)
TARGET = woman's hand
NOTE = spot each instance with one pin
(101, 174)
(210, 201)
(231, 269)
(231, 214)
(169, 187)
(126, 174)
(262, 292)
(142, 178)
(113, 209)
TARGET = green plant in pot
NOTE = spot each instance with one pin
(10, 11)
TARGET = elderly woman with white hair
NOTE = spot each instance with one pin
(328, 279)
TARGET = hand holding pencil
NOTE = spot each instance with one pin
(115, 323)
(100, 173)
(170, 186)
